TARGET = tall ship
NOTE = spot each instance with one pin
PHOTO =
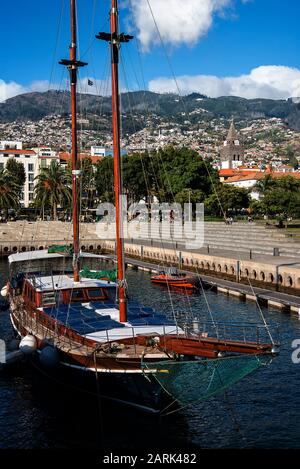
(81, 323)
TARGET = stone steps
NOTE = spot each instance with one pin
(255, 241)
(258, 249)
(236, 237)
(267, 249)
(232, 240)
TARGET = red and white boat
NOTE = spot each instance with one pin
(171, 277)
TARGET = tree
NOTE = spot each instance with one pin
(86, 181)
(279, 202)
(264, 184)
(104, 179)
(189, 195)
(227, 197)
(165, 174)
(53, 188)
(16, 172)
(9, 192)
(281, 198)
(288, 183)
(137, 176)
(177, 169)
(291, 157)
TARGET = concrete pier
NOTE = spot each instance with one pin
(223, 290)
(251, 298)
(236, 293)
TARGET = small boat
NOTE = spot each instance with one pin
(171, 277)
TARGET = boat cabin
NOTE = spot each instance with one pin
(171, 271)
(61, 289)
(88, 307)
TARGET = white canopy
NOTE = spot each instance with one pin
(44, 254)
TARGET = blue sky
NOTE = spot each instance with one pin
(232, 40)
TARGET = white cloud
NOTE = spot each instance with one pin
(268, 81)
(179, 22)
(11, 89)
(99, 87)
(8, 90)
(41, 85)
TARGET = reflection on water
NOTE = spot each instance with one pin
(261, 411)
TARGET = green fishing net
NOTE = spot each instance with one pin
(111, 275)
(60, 249)
(191, 381)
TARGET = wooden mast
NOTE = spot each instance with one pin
(73, 65)
(117, 159)
(115, 39)
(75, 173)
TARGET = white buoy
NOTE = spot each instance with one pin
(4, 291)
(49, 356)
(28, 344)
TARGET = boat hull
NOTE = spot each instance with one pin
(131, 387)
(183, 283)
(130, 390)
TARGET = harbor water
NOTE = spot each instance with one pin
(261, 411)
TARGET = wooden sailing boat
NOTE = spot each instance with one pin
(86, 325)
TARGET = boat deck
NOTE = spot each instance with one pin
(47, 283)
(99, 320)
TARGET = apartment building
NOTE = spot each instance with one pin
(33, 160)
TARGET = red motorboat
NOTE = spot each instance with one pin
(171, 277)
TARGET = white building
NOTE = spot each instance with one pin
(29, 158)
(9, 144)
(108, 151)
(246, 181)
(45, 156)
(98, 151)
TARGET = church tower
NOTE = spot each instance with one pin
(232, 151)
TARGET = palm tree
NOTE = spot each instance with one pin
(86, 181)
(52, 188)
(264, 184)
(9, 191)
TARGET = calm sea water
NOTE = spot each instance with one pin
(262, 411)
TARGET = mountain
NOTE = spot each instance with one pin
(34, 106)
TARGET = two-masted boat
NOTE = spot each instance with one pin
(82, 321)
